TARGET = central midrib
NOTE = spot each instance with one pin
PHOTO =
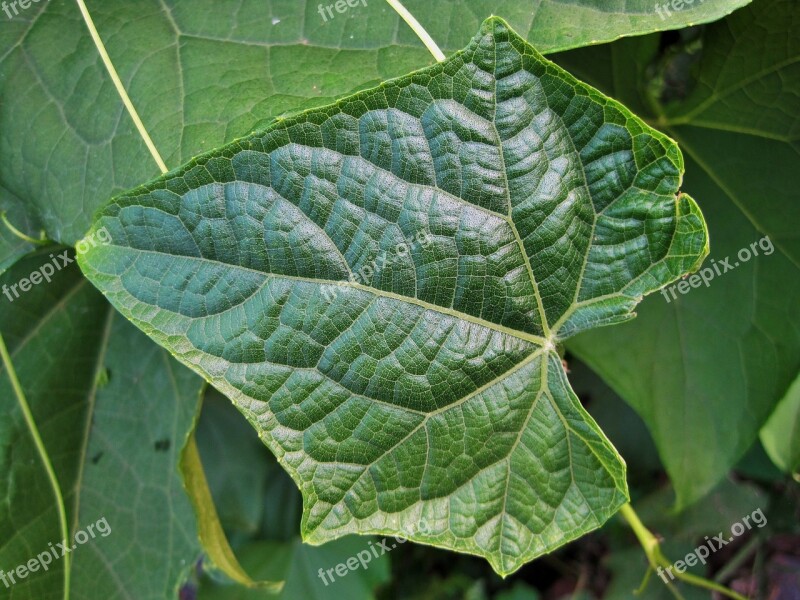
(523, 335)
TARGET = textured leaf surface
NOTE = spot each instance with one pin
(201, 74)
(713, 363)
(113, 410)
(501, 206)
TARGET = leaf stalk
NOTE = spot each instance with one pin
(656, 558)
(40, 242)
(418, 29)
(101, 49)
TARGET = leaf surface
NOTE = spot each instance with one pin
(380, 286)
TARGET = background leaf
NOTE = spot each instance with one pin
(299, 564)
(113, 410)
(203, 72)
(781, 433)
(236, 465)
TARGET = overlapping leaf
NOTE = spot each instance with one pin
(380, 285)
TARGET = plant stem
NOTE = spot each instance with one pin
(101, 49)
(418, 29)
(20, 234)
(37, 440)
(656, 558)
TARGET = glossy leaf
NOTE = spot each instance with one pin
(706, 369)
(113, 411)
(380, 285)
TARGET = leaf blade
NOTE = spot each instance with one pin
(229, 262)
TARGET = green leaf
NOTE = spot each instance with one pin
(520, 591)
(705, 370)
(113, 411)
(502, 206)
(781, 434)
(200, 76)
(211, 76)
(557, 25)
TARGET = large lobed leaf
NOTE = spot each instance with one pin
(501, 206)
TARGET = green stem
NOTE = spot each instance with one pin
(656, 558)
(37, 440)
(418, 29)
(42, 240)
(101, 49)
